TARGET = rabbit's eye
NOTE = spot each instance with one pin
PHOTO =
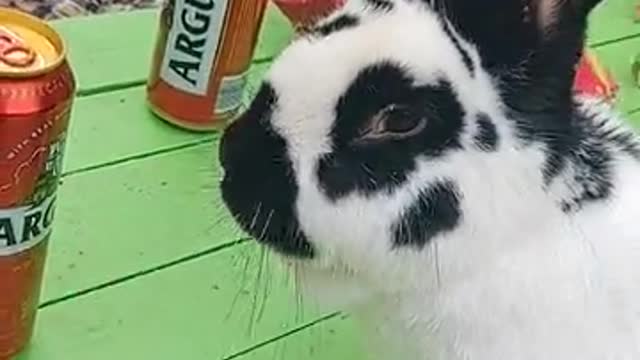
(395, 122)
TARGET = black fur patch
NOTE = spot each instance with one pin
(258, 187)
(534, 68)
(466, 58)
(385, 5)
(590, 159)
(342, 22)
(592, 177)
(486, 139)
(435, 211)
(627, 141)
(496, 27)
(587, 158)
(371, 168)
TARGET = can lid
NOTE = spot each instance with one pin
(28, 46)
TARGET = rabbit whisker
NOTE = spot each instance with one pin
(254, 220)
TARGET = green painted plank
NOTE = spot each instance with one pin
(128, 218)
(116, 126)
(185, 312)
(614, 19)
(634, 119)
(120, 56)
(275, 34)
(109, 50)
(618, 57)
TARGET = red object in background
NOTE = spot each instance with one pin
(594, 79)
(303, 12)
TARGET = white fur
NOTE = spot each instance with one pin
(518, 279)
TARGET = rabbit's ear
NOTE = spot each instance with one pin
(533, 46)
(552, 15)
(560, 27)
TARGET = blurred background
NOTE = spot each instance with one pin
(55, 9)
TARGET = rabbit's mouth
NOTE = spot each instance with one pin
(264, 218)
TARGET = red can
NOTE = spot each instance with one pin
(203, 53)
(304, 12)
(36, 92)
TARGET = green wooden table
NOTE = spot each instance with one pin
(145, 263)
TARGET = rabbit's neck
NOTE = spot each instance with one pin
(571, 301)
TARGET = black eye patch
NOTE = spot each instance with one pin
(385, 165)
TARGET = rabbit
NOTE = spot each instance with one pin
(427, 166)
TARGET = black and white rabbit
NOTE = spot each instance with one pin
(428, 163)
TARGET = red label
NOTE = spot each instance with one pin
(31, 152)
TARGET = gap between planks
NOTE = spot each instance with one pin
(208, 139)
(603, 43)
(286, 334)
(142, 273)
(141, 82)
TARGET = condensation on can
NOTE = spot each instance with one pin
(201, 61)
(36, 93)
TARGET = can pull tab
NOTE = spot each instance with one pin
(15, 54)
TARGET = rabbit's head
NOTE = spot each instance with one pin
(394, 135)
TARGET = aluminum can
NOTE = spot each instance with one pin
(200, 65)
(36, 94)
